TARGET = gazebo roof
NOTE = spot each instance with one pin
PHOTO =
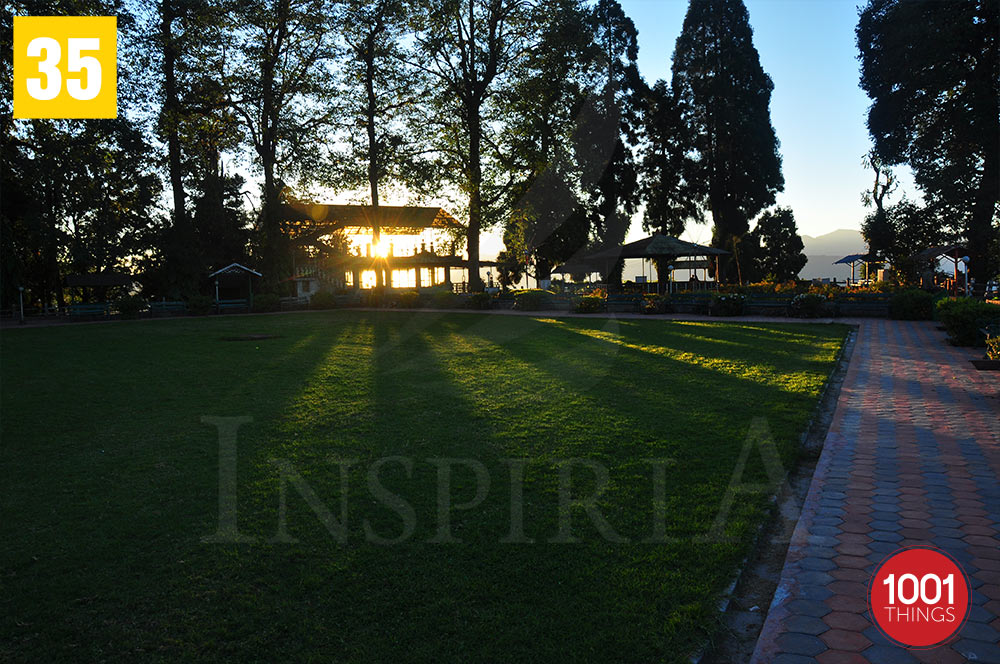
(235, 268)
(854, 258)
(953, 251)
(321, 218)
(658, 246)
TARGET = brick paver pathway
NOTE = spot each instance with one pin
(912, 457)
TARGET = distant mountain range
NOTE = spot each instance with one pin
(823, 250)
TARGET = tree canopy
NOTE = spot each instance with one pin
(776, 249)
(932, 69)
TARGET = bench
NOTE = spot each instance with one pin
(631, 304)
(561, 303)
(291, 303)
(348, 299)
(167, 307)
(697, 304)
(231, 305)
(503, 302)
(767, 306)
(96, 309)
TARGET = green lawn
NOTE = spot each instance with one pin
(110, 481)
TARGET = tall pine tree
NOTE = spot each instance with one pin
(723, 98)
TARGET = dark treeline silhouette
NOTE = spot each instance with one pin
(525, 115)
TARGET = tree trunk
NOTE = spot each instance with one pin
(475, 197)
(978, 232)
(171, 113)
(373, 174)
(270, 221)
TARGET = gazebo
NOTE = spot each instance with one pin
(854, 260)
(96, 286)
(99, 282)
(954, 252)
(230, 282)
(655, 247)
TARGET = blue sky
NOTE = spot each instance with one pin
(817, 109)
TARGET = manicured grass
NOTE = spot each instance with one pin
(110, 481)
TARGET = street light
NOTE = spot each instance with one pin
(20, 301)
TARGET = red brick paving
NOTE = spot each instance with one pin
(912, 457)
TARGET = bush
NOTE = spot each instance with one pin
(480, 301)
(768, 288)
(807, 305)
(532, 300)
(726, 305)
(656, 304)
(409, 299)
(965, 319)
(265, 302)
(945, 305)
(993, 348)
(129, 306)
(200, 305)
(913, 304)
(589, 304)
(323, 300)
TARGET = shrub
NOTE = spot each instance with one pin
(266, 302)
(532, 300)
(993, 348)
(807, 305)
(767, 288)
(409, 299)
(323, 300)
(596, 291)
(965, 319)
(730, 304)
(589, 304)
(945, 305)
(200, 305)
(912, 304)
(129, 306)
(656, 304)
(479, 301)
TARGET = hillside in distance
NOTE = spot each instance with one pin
(823, 250)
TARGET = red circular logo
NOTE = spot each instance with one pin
(919, 597)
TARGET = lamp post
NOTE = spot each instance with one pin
(670, 278)
(20, 301)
